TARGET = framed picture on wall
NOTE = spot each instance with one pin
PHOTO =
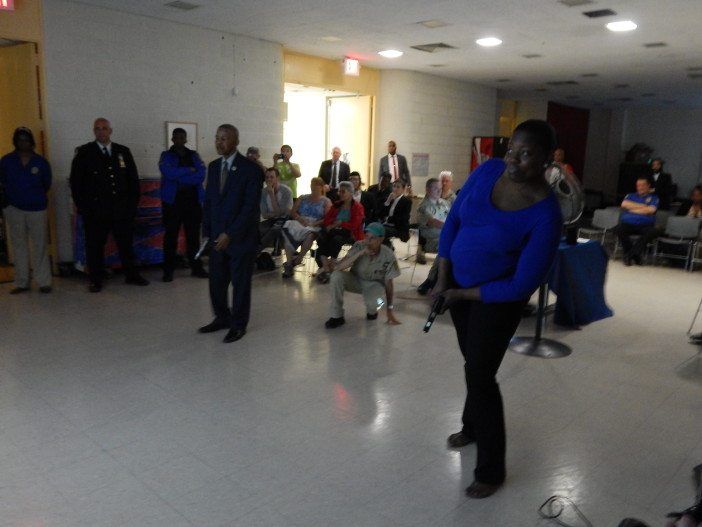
(190, 129)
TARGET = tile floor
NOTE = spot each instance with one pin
(115, 412)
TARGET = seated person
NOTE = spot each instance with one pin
(301, 231)
(372, 268)
(447, 192)
(364, 198)
(431, 215)
(692, 208)
(380, 192)
(395, 213)
(276, 204)
(639, 218)
(342, 225)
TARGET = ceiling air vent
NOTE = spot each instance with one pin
(184, 6)
(433, 24)
(562, 83)
(574, 3)
(655, 45)
(599, 13)
(433, 48)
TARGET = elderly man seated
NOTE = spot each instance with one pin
(447, 192)
(431, 215)
(372, 268)
(276, 204)
(638, 219)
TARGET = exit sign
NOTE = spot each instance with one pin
(7, 5)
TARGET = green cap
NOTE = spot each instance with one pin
(376, 229)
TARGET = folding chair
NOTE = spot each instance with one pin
(682, 232)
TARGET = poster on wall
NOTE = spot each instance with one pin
(190, 129)
(485, 148)
(420, 166)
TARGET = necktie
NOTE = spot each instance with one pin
(394, 169)
(223, 175)
(334, 176)
(105, 152)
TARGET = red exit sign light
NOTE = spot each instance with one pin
(7, 5)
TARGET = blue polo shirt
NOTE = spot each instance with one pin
(650, 200)
(25, 186)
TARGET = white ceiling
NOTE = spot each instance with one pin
(571, 44)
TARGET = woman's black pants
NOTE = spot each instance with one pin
(484, 332)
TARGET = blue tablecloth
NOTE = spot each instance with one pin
(578, 280)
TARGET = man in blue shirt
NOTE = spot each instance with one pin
(638, 219)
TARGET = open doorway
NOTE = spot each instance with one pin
(319, 119)
(20, 105)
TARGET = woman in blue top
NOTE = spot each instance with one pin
(26, 179)
(496, 248)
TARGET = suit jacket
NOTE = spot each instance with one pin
(325, 171)
(401, 167)
(400, 218)
(664, 189)
(236, 209)
(105, 188)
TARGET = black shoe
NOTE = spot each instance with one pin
(136, 279)
(18, 290)
(199, 273)
(233, 335)
(215, 325)
(334, 322)
(627, 261)
(637, 260)
(95, 287)
(371, 316)
(45, 289)
(424, 287)
(167, 276)
(459, 440)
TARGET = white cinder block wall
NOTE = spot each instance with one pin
(140, 72)
(432, 115)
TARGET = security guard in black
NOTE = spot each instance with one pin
(105, 189)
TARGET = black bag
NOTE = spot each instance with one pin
(264, 262)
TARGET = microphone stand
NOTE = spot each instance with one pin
(537, 346)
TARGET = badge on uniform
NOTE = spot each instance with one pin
(35, 170)
(648, 200)
(122, 164)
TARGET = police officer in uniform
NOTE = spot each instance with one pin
(105, 188)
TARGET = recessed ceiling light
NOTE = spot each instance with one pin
(621, 25)
(390, 53)
(433, 24)
(488, 42)
(331, 38)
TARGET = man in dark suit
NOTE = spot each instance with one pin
(105, 188)
(662, 184)
(396, 164)
(333, 171)
(395, 213)
(231, 214)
